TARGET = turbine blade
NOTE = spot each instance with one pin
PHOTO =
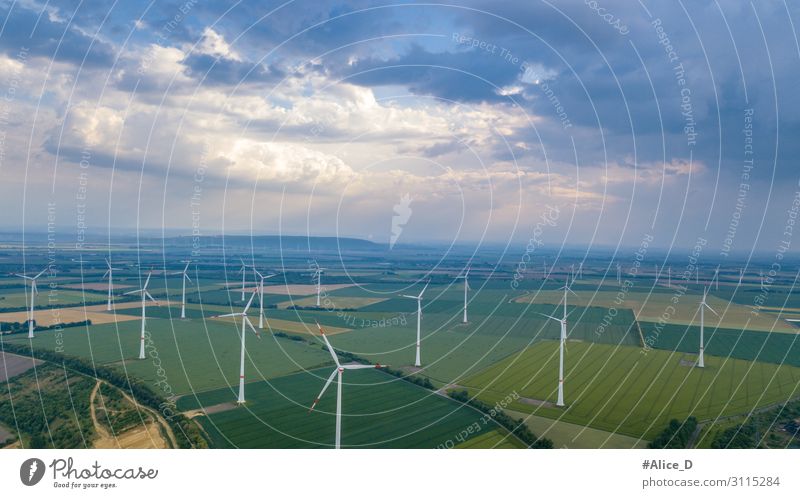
(359, 367)
(106, 273)
(423, 290)
(550, 317)
(249, 324)
(149, 274)
(410, 297)
(187, 266)
(151, 298)
(330, 379)
(327, 343)
(249, 303)
(137, 291)
(710, 309)
(40, 273)
(229, 314)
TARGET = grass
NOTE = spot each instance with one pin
(494, 439)
(185, 356)
(567, 435)
(380, 411)
(736, 343)
(624, 391)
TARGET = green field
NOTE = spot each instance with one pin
(743, 344)
(195, 355)
(380, 411)
(567, 435)
(621, 390)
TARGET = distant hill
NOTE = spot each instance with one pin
(279, 242)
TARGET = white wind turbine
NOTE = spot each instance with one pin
(245, 323)
(145, 296)
(703, 305)
(110, 274)
(338, 371)
(318, 275)
(34, 292)
(417, 362)
(261, 297)
(562, 344)
(465, 276)
(184, 278)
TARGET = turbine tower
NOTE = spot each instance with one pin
(619, 274)
(145, 296)
(245, 323)
(417, 362)
(110, 274)
(261, 297)
(318, 275)
(562, 344)
(337, 372)
(184, 278)
(34, 292)
(703, 305)
(465, 276)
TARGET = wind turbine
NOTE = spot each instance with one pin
(261, 297)
(418, 363)
(465, 276)
(703, 305)
(145, 295)
(185, 277)
(110, 274)
(562, 344)
(337, 372)
(318, 274)
(34, 291)
(245, 323)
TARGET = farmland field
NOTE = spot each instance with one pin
(649, 307)
(621, 390)
(194, 355)
(380, 411)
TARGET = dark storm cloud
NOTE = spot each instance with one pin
(220, 71)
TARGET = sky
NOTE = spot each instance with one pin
(582, 123)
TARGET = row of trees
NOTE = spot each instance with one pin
(17, 327)
(676, 434)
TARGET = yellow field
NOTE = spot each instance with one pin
(736, 316)
(96, 313)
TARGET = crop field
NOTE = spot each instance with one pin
(742, 344)
(621, 390)
(331, 301)
(379, 411)
(567, 435)
(17, 298)
(650, 307)
(184, 356)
